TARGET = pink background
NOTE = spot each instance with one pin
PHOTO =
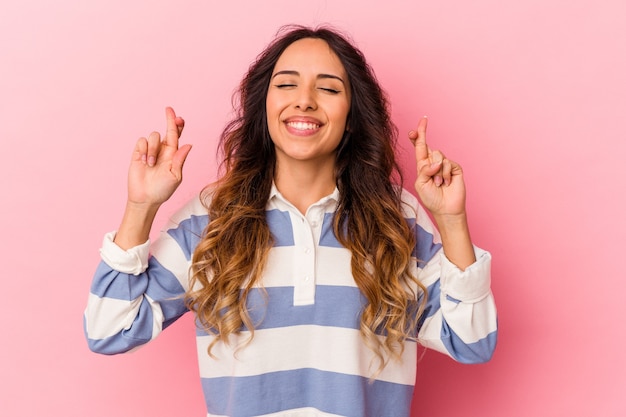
(530, 96)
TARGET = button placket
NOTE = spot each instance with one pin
(304, 262)
(316, 219)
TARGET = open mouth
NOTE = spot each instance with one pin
(303, 125)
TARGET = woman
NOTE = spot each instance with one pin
(311, 273)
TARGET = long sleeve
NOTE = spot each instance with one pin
(137, 293)
(460, 317)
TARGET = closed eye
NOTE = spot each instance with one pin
(285, 85)
(329, 90)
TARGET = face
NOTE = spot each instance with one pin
(307, 103)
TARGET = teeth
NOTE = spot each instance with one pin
(303, 125)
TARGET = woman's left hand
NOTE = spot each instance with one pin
(439, 183)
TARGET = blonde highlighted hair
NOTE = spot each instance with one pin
(369, 220)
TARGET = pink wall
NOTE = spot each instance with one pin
(530, 96)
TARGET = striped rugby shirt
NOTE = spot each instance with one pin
(307, 357)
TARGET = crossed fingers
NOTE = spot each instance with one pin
(431, 165)
(150, 148)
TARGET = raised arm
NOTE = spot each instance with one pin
(154, 174)
(133, 295)
(461, 317)
(441, 189)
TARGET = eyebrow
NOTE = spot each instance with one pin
(319, 76)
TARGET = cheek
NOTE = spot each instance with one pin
(272, 116)
(341, 114)
(273, 108)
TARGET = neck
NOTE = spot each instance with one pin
(305, 183)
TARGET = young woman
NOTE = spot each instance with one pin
(312, 274)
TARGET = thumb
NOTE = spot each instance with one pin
(178, 160)
(426, 169)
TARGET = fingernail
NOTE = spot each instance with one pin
(412, 132)
(143, 158)
(438, 180)
(151, 161)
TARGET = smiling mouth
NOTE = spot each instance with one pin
(303, 125)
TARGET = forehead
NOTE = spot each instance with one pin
(310, 55)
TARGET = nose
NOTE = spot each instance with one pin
(306, 99)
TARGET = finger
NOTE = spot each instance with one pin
(180, 125)
(154, 145)
(418, 137)
(446, 172)
(141, 150)
(178, 160)
(173, 130)
(427, 171)
(455, 171)
(437, 159)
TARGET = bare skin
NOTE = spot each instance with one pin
(154, 174)
(156, 171)
(441, 189)
(307, 106)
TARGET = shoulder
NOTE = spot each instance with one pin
(193, 215)
(411, 207)
(415, 213)
(195, 206)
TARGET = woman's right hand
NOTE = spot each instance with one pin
(156, 168)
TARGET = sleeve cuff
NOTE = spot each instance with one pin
(471, 285)
(132, 261)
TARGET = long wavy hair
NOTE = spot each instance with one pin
(229, 260)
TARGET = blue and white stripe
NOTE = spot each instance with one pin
(307, 357)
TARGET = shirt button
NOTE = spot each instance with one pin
(307, 250)
(307, 278)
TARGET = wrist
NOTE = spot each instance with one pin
(141, 209)
(451, 221)
(455, 238)
(136, 224)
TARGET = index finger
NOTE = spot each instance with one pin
(173, 130)
(421, 148)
